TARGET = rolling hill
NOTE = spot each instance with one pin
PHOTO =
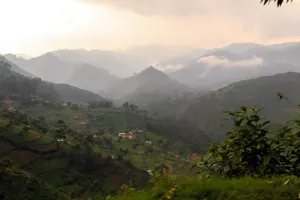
(207, 111)
(146, 88)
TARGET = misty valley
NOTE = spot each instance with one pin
(190, 114)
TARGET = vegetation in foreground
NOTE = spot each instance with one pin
(279, 188)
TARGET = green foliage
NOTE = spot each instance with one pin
(250, 150)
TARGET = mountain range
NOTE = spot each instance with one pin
(185, 77)
(198, 68)
(236, 62)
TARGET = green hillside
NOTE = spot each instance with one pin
(70, 167)
(50, 143)
(207, 111)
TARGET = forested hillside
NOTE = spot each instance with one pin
(207, 111)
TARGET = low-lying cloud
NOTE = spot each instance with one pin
(169, 68)
(213, 61)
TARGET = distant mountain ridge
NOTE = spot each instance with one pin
(16, 68)
(239, 61)
(12, 82)
(47, 66)
(150, 80)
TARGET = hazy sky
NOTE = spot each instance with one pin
(36, 26)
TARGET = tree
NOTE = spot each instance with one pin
(251, 150)
(125, 105)
(279, 2)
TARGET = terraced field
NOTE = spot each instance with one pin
(40, 154)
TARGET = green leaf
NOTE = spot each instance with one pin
(244, 108)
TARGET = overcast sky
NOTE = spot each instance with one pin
(37, 26)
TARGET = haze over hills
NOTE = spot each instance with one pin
(122, 63)
(148, 81)
(186, 70)
(236, 62)
(47, 66)
(203, 69)
(14, 82)
(15, 68)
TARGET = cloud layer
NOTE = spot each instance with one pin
(213, 61)
(120, 24)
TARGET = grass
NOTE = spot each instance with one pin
(219, 189)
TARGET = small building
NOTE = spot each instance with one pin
(149, 142)
(64, 105)
(129, 135)
(83, 122)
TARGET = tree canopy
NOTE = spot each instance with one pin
(279, 2)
